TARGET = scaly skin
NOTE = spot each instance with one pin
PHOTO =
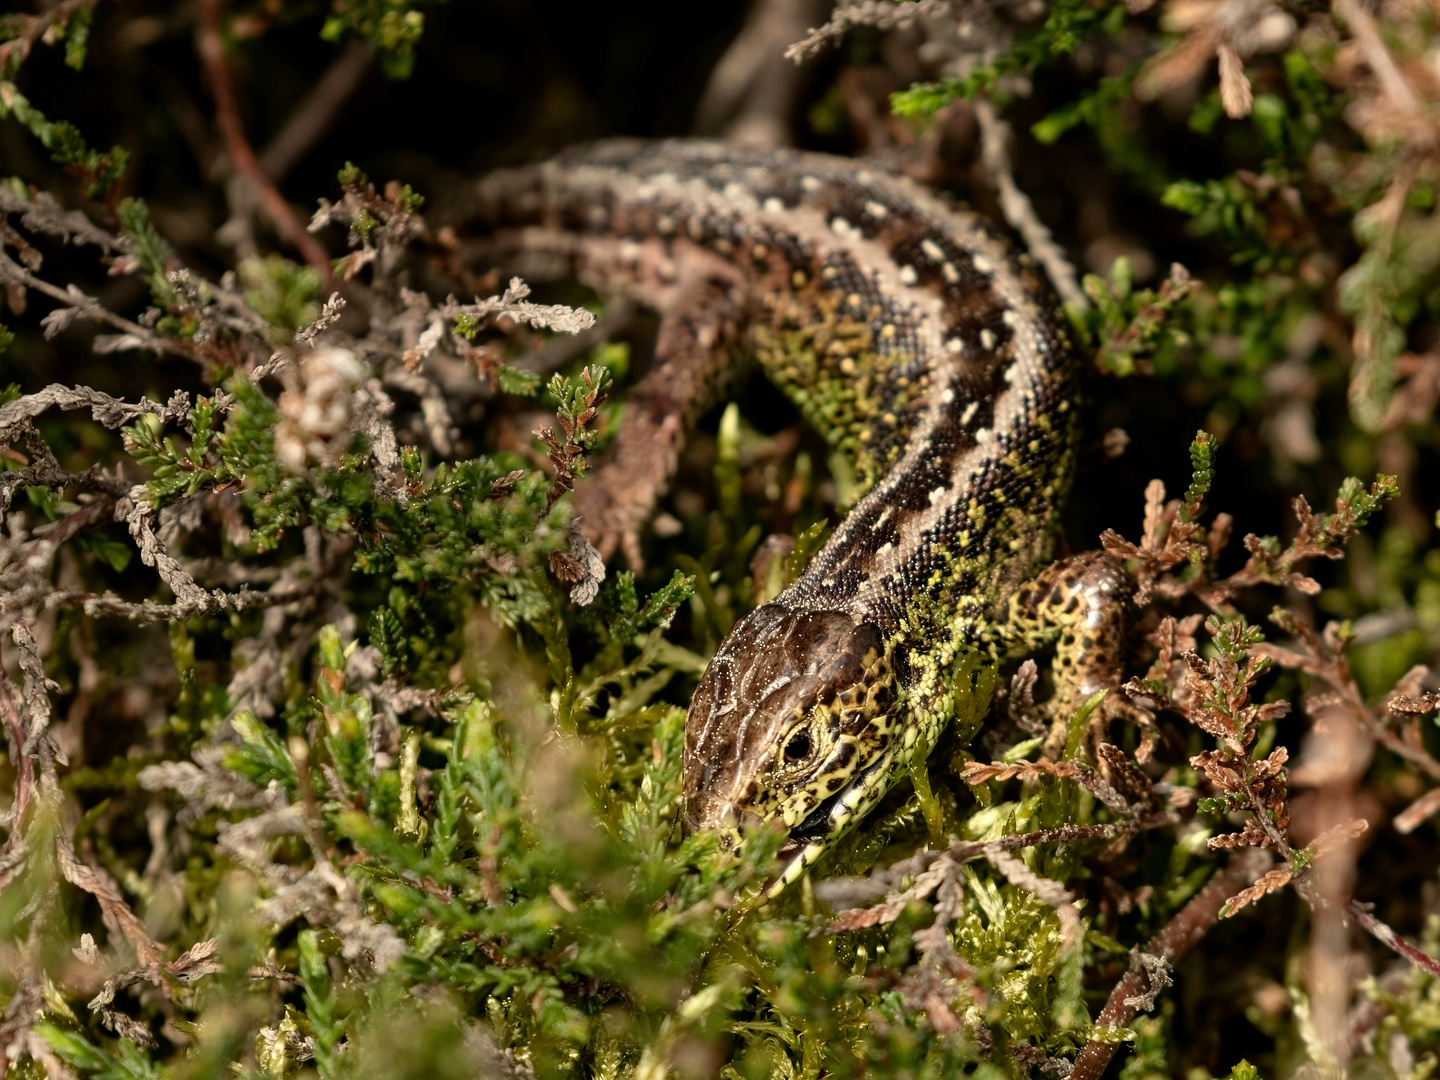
(930, 356)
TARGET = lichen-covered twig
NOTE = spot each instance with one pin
(885, 880)
(112, 412)
(76, 305)
(856, 13)
(42, 213)
(23, 764)
(513, 303)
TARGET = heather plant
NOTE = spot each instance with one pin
(333, 745)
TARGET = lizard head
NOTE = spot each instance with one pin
(793, 722)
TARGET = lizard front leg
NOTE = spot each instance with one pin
(1081, 605)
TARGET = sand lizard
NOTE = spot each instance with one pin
(930, 355)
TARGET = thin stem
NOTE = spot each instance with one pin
(1018, 209)
(149, 611)
(1179, 936)
(1388, 937)
(1362, 26)
(211, 46)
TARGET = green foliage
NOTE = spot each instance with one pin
(1202, 452)
(127, 1062)
(533, 908)
(241, 450)
(76, 35)
(1228, 209)
(394, 27)
(575, 398)
(452, 544)
(67, 25)
(1066, 24)
(99, 171)
(149, 249)
(283, 293)
(517, 382)
(1126, 325)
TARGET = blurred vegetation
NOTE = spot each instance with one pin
(339, 775)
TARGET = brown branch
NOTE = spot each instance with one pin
(93, 515)
(1389, 938)
(119, 918)
(1314, 661)
(211, 46)
(1190, 925)
(1181, 933)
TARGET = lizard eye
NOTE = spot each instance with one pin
(798, 748)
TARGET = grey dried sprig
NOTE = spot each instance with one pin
(512, 303)
(852, 14)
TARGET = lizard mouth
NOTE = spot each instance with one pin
(814, 828)
(807, 841)
(813, 836)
